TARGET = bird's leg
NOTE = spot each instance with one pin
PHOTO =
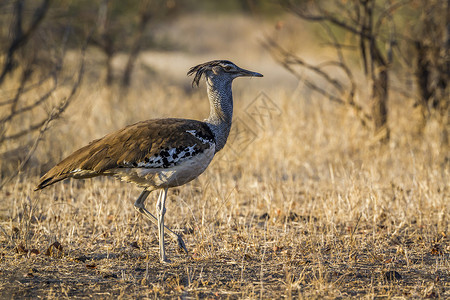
(161, 210)
(140, 207)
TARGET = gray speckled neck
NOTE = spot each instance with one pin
(221, 105)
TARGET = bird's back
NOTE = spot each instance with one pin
(137, 151)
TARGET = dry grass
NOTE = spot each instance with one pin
(302, 204)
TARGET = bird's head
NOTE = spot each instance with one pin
(219, 70)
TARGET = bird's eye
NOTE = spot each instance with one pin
(228, 68)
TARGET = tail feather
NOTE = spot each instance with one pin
(49, 179)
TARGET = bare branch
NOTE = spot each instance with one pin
(388, 12)
(4, 122)
(29, 87)
(21, 37)
(323, 17)
(289, 61)
(36, 103)
(21, 133)
(44, 125)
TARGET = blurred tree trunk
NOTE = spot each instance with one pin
(443, 90)
(432, 68)
(107, 45)
(379, 97)
(422, 75)
(106, 40)
(377, 68)
(145, 16)
(445, 81)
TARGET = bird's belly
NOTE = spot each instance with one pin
(177, 175)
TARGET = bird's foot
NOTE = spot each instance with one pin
(181, 244)
(165, 260)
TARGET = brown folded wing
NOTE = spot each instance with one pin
(136, 145)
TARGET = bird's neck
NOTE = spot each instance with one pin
(221, 110)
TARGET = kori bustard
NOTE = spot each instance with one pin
(160, 153)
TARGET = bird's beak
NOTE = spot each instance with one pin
(244, 72)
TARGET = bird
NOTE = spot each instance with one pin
(159, 154)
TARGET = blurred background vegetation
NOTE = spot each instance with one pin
(368, 55)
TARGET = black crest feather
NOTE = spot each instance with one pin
(200, 69)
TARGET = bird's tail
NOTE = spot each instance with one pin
(50, 178)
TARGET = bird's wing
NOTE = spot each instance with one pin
(158, 143)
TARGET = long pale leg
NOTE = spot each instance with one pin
(161, 211)
(140, 207)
